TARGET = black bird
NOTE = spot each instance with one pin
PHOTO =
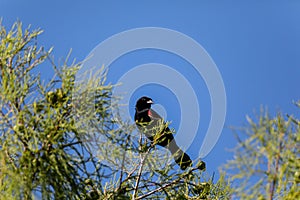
(153, 126)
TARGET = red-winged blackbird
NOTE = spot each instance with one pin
(153, 126)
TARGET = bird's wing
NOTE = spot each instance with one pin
(154, 115)
(156, 125)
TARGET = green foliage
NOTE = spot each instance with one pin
(266, 164)
(60, 140)
(42, 147)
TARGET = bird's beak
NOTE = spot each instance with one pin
(150, 102)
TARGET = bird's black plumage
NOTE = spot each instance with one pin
(156, 130)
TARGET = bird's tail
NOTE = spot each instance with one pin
(181, 158)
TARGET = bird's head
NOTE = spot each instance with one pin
(143, 103)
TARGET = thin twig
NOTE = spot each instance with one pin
(158, 189)
(274, 181)
(122, 169)
(176, 181)
(140, 170)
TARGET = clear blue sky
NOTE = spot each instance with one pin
(255, 45)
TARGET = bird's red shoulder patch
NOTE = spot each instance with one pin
(149, 113)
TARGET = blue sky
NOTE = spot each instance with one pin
(255, 45)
